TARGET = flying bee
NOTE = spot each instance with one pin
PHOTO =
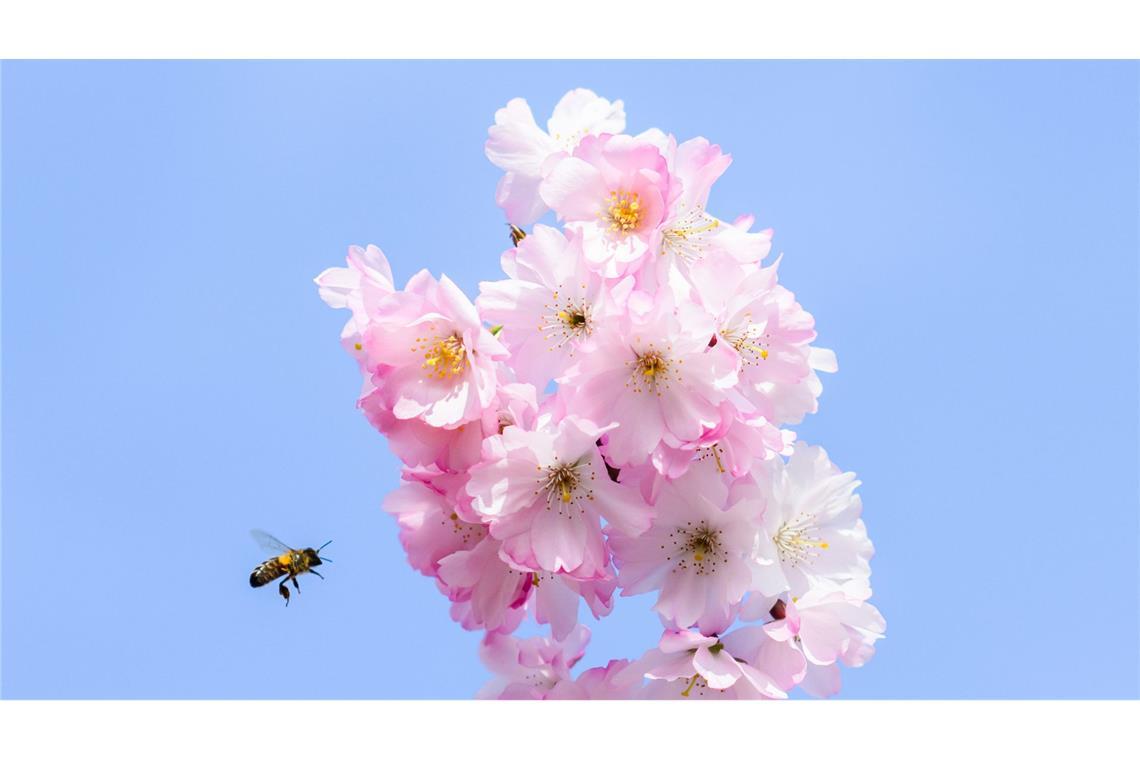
(286, 561)
(517, 235)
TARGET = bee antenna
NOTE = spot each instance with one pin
(326, 543)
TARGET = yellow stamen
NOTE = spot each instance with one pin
(689, 688)
(357, 346)
(686, 236)
(748, 341)
(652, 364)
(562, 482)
(796, 541)
(447, 356)
(652, 371)
(574, 319)
(624, 212)
(685, 232)
(702, 542)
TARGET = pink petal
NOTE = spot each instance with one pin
(684, 640)
(558, 540)
(574, 189)
(719, 670)
(515, 143)
(517, 195)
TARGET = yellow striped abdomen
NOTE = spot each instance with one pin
(269, 571)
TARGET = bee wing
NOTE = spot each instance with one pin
(269, 543)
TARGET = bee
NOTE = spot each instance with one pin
(286, 561)
(517, 235)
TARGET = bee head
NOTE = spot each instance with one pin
(314, 555)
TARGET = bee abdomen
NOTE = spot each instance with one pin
(266, 572)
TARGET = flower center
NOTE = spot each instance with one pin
(624, 212)
(564, 482)
(566, 321)
(696, 547)
(703, 543)
(749, 340)
(443, 357)
(796, 542)
(651, 364)
(652, 371)
(574, 319)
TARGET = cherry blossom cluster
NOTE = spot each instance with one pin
(613, 416)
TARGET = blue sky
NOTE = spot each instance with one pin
(966, 235)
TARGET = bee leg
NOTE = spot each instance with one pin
(284, 592)
(296, 585)
(314, 572)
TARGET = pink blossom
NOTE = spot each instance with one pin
(434, 360)
(534, 668)
(811, 531)
(444, 539)
(623, 427)
(543, 491)
(831, 623)
(517, 145)
(780, 660)
(687, 664)
(762, 322)
(656, 377)
(698, 550)
(359, 287)
(620, 189)
(550, 306)
(441, 542)
(555, 600)
(486, 592)
(430, 527)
